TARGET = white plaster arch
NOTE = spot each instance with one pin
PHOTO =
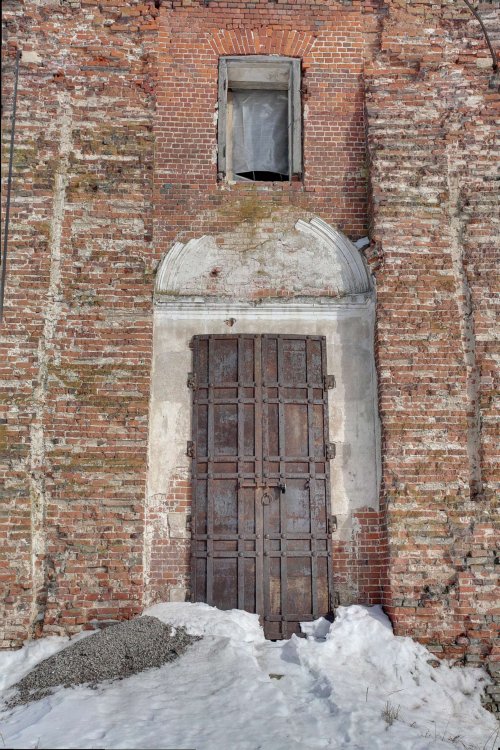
(313, 259)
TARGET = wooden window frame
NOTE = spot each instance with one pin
(270, 72)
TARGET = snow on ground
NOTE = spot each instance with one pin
(349, 685)
(200, 619)
(14, 665)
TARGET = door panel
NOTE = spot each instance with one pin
(261, 478)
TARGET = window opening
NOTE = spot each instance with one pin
(259, 118)
(260, 134)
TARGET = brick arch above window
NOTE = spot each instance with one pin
(264, 40)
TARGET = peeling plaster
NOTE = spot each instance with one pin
(52, 312)
(466, 316)
(311, 259)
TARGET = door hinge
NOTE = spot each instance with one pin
(191, 381)
(190, 451)
(330, 451)
(328, 382)
(332, 524)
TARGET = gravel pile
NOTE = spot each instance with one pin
(116, 652)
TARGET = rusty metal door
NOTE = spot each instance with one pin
(261, 501)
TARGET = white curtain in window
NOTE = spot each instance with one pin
(260, 131)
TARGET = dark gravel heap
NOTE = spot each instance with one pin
(116, 652)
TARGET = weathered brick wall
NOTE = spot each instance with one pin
(432, 103)
(360, 564)
(331, 40)
(78, 305)
(112, 85)
(77, 335)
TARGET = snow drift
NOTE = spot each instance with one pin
(351, 684)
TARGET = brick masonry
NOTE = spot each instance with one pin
(432, 101)
(116, 159)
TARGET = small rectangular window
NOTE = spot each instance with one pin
(259, 118)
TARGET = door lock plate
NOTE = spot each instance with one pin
(330, 451)
(332, 524)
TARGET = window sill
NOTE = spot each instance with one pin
(260, 185)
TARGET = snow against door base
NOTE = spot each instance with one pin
(350, 684)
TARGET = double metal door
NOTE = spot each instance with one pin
(261, 500)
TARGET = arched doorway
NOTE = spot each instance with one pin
(299, 297)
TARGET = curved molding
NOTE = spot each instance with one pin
(356, 274)
(172, 261)
(312, 259)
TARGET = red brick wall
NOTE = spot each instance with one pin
(76, 345)
(432, 102)
(115, 159)
(168, 572)
(84, 242)
(360, 564)
(330, 41)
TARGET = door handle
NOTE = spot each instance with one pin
(266, 498)
(267, 495)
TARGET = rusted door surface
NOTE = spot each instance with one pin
(261, 477)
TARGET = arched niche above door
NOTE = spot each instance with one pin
(312, 259)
